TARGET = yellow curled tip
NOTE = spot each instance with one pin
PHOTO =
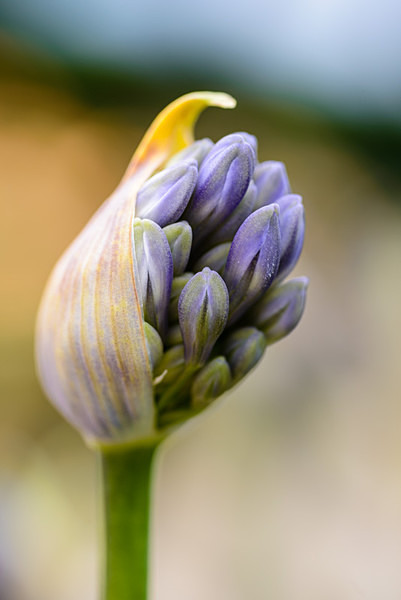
(172, 130)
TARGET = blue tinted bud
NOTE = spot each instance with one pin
(271, 181)
(174, 336)
(154, 344)
(253, 259)
(164, 197)
(171, 366)
(226, 231)
(215, 259)
(212, 381)
(196, 151)
(239, 136)
(154, 265)
(243, 349)
(179, 237)
(281, 309)
(202, 314)
(176, 288)
(223, 179)
(292, 227)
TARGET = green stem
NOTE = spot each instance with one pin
(126, 474)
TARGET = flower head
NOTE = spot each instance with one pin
(171, 293)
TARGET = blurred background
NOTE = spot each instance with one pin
(290, 487)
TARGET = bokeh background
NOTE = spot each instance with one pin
(290, 487)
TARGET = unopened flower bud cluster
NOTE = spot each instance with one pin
(216, 232)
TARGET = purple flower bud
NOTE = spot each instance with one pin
(176, 288)
(223, 179)
(196, 151)
(212, 381)
(292, 227)
(202, 314)
(164, 197)
(154, 344)
(179, 237)
(154, 265)
(215, 258)
(226, 231)
(253, 259)
(243, 349)
(239, 136)
(271, 180)
(281, 308)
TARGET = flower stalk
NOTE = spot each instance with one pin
(126, 480)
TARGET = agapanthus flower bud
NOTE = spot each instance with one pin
(243, 350)
(215, 258)
(164, 197)
(179, 237)
(226, 231)
(202, 314)
(154, 344)
(174, 335)
(281, 308)
(177, 286)
(223, 179)
(197, 151)
(171, 365)
(148, 317)
(292, 226)
(155, 271)
(253, 260)
(213, 380)
(271, 182)
(238, 137)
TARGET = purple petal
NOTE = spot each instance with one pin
(223, 179)
(165, 196)
(226, 231)
(215, 259)
(243, 349)
(212, 381)
(154, 265)
(253, 259)
(196, 151)
(238, 137)
(179, 237)
(271, 181)
(292, 226)
(202, 314)
(281, 309)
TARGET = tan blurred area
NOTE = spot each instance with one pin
(290, 487)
